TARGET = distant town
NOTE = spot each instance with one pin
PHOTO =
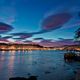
(14, 46)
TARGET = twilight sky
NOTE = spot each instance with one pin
(40, 19)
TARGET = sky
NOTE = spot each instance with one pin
(46, 19)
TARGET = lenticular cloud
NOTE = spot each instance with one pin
(5, 27)
(56, 21)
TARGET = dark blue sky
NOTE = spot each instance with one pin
(28, 15)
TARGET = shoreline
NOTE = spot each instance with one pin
(29, 47)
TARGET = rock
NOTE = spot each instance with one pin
(72, 79)
(29, 74)
(69, 56)
(47, 72)
(75, 72)
(78, 75)
(18, 78)
(22, 78)
(32, 78)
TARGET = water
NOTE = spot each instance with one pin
(46, 65)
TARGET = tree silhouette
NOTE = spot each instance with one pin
(77, 35)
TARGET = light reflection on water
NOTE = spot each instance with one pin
(47, 65)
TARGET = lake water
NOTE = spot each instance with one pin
(46, 65)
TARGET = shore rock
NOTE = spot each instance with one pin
(22, 78)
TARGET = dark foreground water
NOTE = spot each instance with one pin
(46, 65)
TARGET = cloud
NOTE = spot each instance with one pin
(20, 33)
(25, 36)
(62, 17)
(38, 38)
(27, 41)
(4, 40)
(61, 42)
(55, 21)
(75, 24)
(17, 39)
(5, 27)
(6, 37)
(20, 36)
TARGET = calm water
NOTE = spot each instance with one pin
(46, 65)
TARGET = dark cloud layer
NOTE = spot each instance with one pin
(38, 38)
(7, 37)
(5, 27)
(22, 35)
(3, 40)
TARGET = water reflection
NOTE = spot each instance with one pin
(3, 52)
(47, 65)
(11, 60)
(11, 63)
